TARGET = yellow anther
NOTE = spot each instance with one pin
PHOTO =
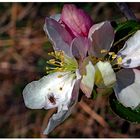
(59, 69)
(57, 53)
(119, 60)
(111, 53)
(52, 61)
(114, 56)
(104, 51)
(59, 76)
(60, 62)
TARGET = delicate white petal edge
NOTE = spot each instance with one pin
(130, 53)
(87, 81)
(127, 88)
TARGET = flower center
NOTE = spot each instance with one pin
(105, 68)
(61, 63)
(110, 57)
(104, 75)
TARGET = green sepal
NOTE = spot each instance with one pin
(94, 94)
(124, 112)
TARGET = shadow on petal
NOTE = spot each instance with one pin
(127, 87)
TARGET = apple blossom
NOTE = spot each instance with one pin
(116, 70)
(60, 87)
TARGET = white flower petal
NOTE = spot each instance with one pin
(127, 88)
(50, 91)
(60, 116)
(56, 120)
(104, 76)
(130, 53)
(87, 81)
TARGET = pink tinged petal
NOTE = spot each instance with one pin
(102, 37)
(57, 86)
(67, 28)
(87, 81)
(130, 53)
(57, 17)
(61, 115)
(59, 36)
(80, 46)
(127, 88)
(76, 19)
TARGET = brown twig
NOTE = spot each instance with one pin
(93, 114)
(23, 41)
(26, 11)
(16, 17)
(4, 17)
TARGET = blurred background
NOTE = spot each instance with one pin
(24, 51)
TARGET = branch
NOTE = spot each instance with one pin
(93, 114)
(126, 11)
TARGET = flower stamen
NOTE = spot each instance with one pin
(61, 62)
(119, 60)
(104, 51)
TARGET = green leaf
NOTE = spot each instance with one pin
(124, 112)
(124, 30)
(127, 26)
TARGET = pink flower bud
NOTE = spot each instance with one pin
(76, 19)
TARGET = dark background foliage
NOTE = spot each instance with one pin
(23, 54)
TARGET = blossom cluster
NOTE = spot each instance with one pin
(82, 59)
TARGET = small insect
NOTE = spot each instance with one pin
(52, 99)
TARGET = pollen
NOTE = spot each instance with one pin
(119, 60)
(104, 51)
(52, 61)
(113, 55)
(60, 62)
